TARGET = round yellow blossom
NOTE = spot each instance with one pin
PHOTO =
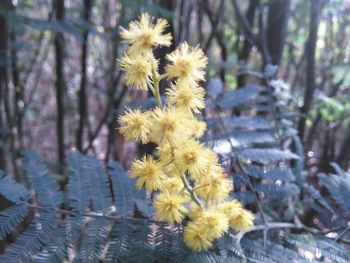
(136, 125)
(195, 211)
(189, 156)
(188, 98)
(216, 186)
(241, 219)
(187, 64)
(172, 185)
(197, 127)
(196, 238)
(143, 35)
(230, 207)
(213, 222)
(169, 207)
(168, 124)
(138, 70)
(149, 173)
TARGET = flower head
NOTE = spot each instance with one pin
(213, 222)
(136, 125)
(196, 238)
(241, 219)
(188, 98)
(172, 185)
(149, 173)
(170, 207)
(143, 35)
(169, 124)
(138, 70)
(189, 156)
(186, 64)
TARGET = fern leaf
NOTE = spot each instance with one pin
(321, 245)
(41, 179)
(119, 245)
(270, 173)
(99, 188)
(203, 258)
(94, 240)
(266, 155)
(276, 191)
(11, 217)
(339, 189)
(231, 99)
(55, 250)
(78, 182)
(13, 191)
(122, 187)
(32, 239)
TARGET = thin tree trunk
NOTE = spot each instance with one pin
(60, 84)
(277, 28)
(4, 5)
(247, 44)
(83, 113)
(315, 10)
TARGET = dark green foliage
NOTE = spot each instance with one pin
(11, 190)
(11, 217)
(231, 99)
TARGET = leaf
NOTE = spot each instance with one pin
(32, 239)
(123, 189)
(13, 191)
(231, 99)
(41, 179)
(266, 155)
(78, 182)
(93, 241)
(270, 173)
(10, 218)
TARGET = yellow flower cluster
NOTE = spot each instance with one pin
(189, 183)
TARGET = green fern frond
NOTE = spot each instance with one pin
(11, 217)
(11, 190)
(41, 179)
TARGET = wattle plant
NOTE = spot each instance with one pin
(188, 183)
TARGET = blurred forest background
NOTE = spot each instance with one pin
(61, 87)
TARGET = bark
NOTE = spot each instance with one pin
(4, 5)
(315, 10)
(60, 83)
(83, 112)
(277, 28)
(247, 44)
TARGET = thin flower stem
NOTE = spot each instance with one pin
(156, 80)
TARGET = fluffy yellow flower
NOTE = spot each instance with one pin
(216, 186)
(241, 219)
(214, 223)
(197, 127)
(196, 237)
(189, 156)
(195, 211)
(172, 185)
(136, 125)
(188, 98)
(187, 64)
(143, 35)
(230, 207)
(138, 70)
(164, 153)
(168, 124)
(169, 207)
(149, 173)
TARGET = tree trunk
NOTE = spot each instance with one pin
(4, 5)
(83, 113)
(277, 28)
(315, 10)
(60, 84)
